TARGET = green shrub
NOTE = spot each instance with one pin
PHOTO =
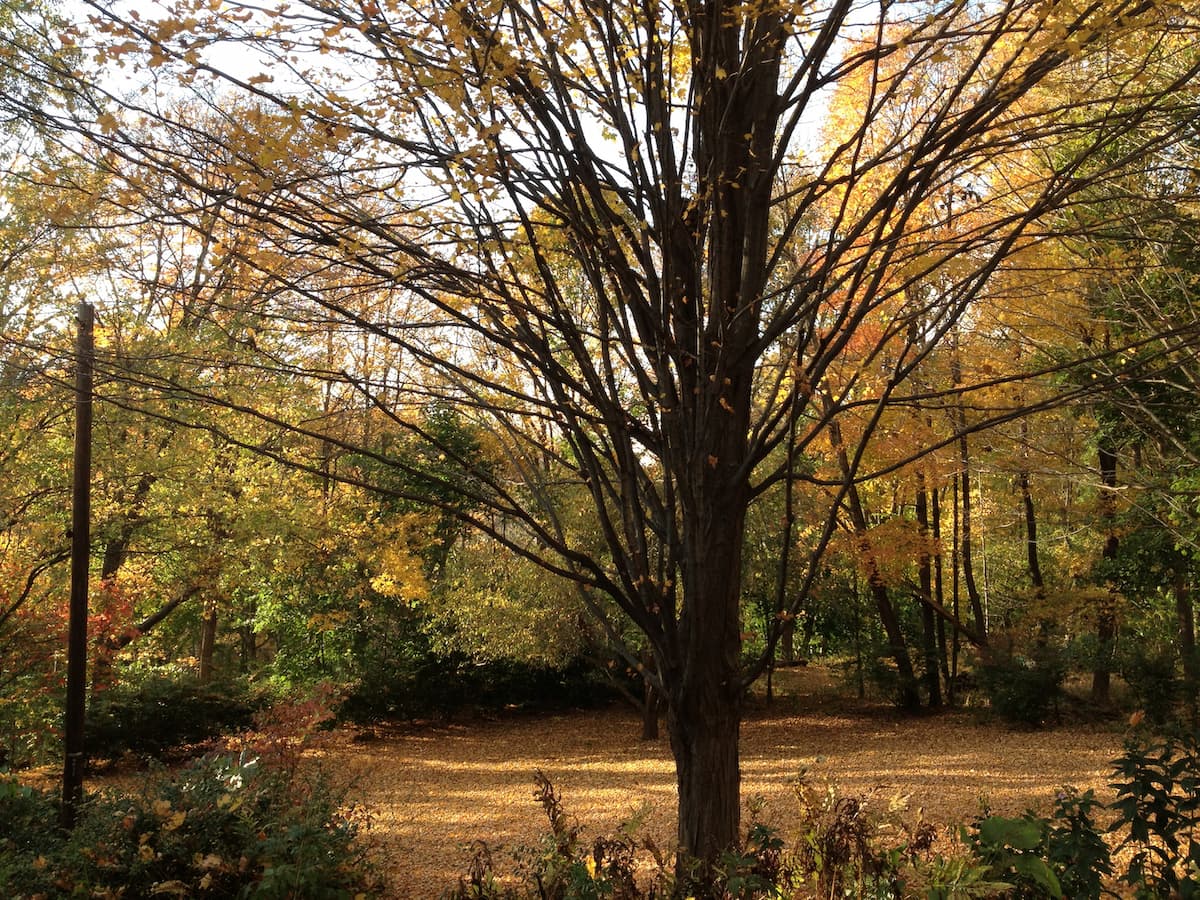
(1013, 851)
(1158, 804)
(163, 714)
(1153, 679)
(226, 826)
(1024, 690)
(1075, 848)
(436, 686)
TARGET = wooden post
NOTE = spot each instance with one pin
(73, 719)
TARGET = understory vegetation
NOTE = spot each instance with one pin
(1143, 844)
(248, 820)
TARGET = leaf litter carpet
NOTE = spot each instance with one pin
(431, 790)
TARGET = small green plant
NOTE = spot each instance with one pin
(1075, 847)
(1013, 849)
(960, 878)
(1158, 804)
(564, 867)
(840, 851)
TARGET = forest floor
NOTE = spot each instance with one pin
(433, 789)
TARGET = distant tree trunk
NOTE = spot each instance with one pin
(1031, 538)
(928, 617)
(650, 714)
(787, 640)
(968, 567)
(939, 589)
(907, 696)
(248, 644)
(208, 640)
(1185, 614)
(906, 692)
(1106, 616)
(955, 594)
(650, 700)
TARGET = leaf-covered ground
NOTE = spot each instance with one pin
(434, 789)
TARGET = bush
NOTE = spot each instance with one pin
(226, 826)
(1152, 676)
(1024, 690)
(1158, 804)
(437, 686)
(163, 714)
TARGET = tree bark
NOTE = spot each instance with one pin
(787, 640)
(704, 724)
(208, 640)
(968, 566)
(1185, 615)
(933, 684)
(1106, 616)
(705, 704)
(650, 700)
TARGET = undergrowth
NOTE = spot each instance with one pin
(865, 847)
(251, 822)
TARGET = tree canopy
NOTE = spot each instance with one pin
(671, 261)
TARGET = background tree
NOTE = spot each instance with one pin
(622, 258)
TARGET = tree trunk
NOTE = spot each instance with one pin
(787, 640)
(1106, 616)
(650, 701)
(1031, 538)
(955, 593)
(702, 670)
(1185, 615)
(939, 590)
(650, 713)
(705, 704)
(704, 725)
(906, 689)
(248, 645)
(933, 684)
(968, 567)
(208, 640)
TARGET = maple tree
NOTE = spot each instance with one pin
(616, 249)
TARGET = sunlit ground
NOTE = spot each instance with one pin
(433, 790)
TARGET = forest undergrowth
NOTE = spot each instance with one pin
(436, 790)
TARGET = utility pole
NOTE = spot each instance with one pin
(73, 720)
